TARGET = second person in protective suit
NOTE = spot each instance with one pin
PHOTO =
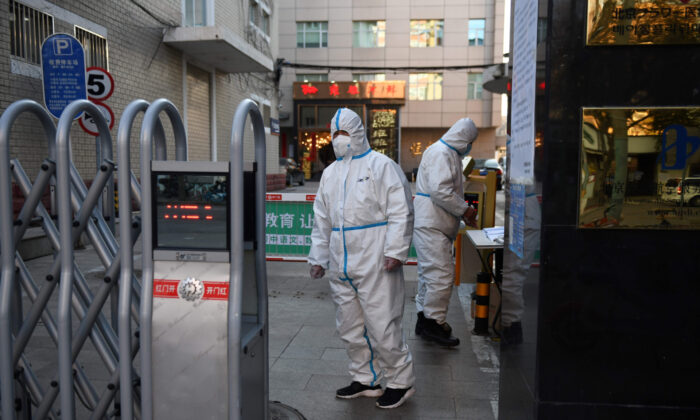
(363, 221)
(439, 207)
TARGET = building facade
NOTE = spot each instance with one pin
(206, 56)
(371, 55)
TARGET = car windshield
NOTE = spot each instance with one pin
(479, 163)
(673, 182)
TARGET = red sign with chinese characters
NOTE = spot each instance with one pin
(167, 289)
(391, 89)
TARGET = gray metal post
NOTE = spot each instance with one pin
(125, 177)
(245, 108)
(148, 131)
(65, 360)
(7, 245)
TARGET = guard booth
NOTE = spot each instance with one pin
(204, 331)
(610, 329)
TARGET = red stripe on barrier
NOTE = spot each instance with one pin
(273, 197)
(310, 197)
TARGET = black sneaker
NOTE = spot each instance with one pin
(393, 397)
(441, 334)
(512, 334)
(356, 389)
(420, 323)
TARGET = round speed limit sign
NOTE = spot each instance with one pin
(100, 84)
(87, 123)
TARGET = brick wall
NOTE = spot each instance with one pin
(143, 67)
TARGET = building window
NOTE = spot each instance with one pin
(368, 77)
(312, 34)
(426, 33)
(265, 22)
(259, 16)
(541, 29)
(28, 30)
(476, 31)
(425, 86)
(474, 86)
(312, 77)
(195, 12)
(95, 47)
(369, 34)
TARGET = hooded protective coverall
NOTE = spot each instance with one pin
(439, 206)
(362, 213)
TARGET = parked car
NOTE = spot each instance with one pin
(490, 165)
(689, 191)
(668, 190)
(686, 190)
(293, 170)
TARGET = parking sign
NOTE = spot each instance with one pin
(63, 68)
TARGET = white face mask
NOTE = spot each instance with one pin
(341, 146)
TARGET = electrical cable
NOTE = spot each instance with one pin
(383, 68)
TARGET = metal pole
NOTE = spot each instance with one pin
(65, 362)
(50, 325)
(127, 253)
(148, 131)
(48, 169)
(245, 108)
(53, 235)
(7, 247)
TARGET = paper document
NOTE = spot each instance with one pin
(494, 233)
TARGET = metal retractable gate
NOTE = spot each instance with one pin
(198, 314)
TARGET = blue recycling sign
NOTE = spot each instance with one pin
(63, 68)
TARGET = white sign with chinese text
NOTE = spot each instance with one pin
(522, 146)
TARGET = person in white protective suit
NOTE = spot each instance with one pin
(439, 207)
(515, 269)
(363, 220)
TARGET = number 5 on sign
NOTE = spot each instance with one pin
(100, 84)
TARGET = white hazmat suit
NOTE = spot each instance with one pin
(363, 213)
(439, 207)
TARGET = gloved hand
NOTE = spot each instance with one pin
(469, 217)
(317, 272)
(391, 264)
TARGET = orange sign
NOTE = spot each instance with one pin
(393, 89)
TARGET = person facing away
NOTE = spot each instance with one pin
(363, 221)
(439, 207)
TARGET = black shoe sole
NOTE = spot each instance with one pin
(372, 393)
(440, 340)
(403, 399)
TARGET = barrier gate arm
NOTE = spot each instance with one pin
(130, 185)
(246, 108)
(148, 131)
(7, 244)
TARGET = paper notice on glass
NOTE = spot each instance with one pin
(522, 147)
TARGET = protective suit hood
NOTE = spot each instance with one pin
(349, 121)
(461, 135)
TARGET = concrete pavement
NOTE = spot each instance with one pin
(308, 361)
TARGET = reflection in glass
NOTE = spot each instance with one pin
(624, 22)
(382, 132)
(191, 211)
(640, 168)
(426, 33)
(368, 34)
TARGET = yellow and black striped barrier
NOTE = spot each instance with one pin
(480, 304)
